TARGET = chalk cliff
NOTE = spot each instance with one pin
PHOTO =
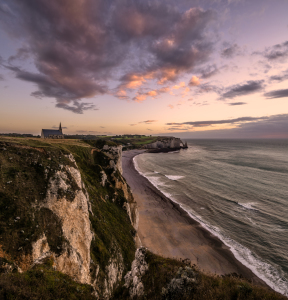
(166, 143)
(72, 206)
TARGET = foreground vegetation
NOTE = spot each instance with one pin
(42, 282)
(171, 279)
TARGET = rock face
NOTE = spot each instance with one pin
(172, 143)
(115, 153)
(133, 279)
(74, 216)
(180, 286)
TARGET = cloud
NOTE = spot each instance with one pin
(249, 87)
(79, 47)
(200, 103)
(194, 81)
(22, 54)
(92, 132)
(230, 51)
(57, 127)
(148, 121)
(77, 108)
(277, 94)
(279, 78)
(1, 77)
(278, 52)
(141, 96)
(209, 71)
(179, 86)
(65, 90)
(132, 124)
(218, 122)
(208, 88)
(171, 106)
(236, 103)
(177, 129)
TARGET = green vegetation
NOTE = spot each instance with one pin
(42, 282)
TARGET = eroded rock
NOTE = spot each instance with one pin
(133, 279)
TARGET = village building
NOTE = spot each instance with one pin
(52, 133)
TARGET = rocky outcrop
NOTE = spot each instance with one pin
(114, 271)
(115, 154)
(181, 285)
(73, 213)
(133, 279)
(165, 143)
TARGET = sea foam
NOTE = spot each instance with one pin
(174, 177)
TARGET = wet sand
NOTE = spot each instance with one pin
(167, 230)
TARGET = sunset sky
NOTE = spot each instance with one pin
(187, 68)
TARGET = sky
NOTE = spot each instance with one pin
(186, 68)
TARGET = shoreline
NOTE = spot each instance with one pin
(168, 230)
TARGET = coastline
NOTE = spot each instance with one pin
(168, 230)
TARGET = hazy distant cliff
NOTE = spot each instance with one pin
(165, 143)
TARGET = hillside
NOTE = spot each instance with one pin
(68, 230)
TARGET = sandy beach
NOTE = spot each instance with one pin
(166, 229)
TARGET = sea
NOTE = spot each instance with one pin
(236, 189)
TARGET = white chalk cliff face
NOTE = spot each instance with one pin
(74, 217)
(165, 143)
(68, 199)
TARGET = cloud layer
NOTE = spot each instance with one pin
(79, 46)
(275, 126)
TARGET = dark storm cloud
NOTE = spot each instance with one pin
(247, 88)
(276, 52)
(79, 45)
(237, 103)
(277, 94)
(231, 51)
(218, 122)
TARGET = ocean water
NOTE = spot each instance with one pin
(238, 190)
